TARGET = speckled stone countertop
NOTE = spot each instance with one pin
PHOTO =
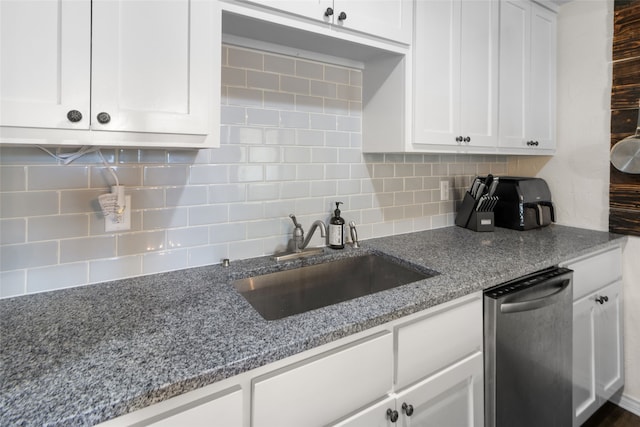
(85, 355)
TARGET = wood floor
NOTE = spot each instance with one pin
(611, 415)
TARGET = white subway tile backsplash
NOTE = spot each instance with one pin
(259, 191)
(280, 172)
(297, 155)
(246, 211)
(310, 104)
(333, 171)
(13, 231)
(297, 120)
(13, 178)
(146, 198)
(103, 270)
(264, 154)
(12, 283)
(206, 255)
(245, 97)
(257, 117)
(262, 80)
(165, 175)
(54, 177)
(279, 64)
(324, 89)
(324, 155)
(210, 214)
(57, 277)
(337, 74)
(186, 237)
(243, 58)
(28, 255)
(312, 70)
(141, 242)
(233, 76)
(183, 196)
(87, 249)
(57, 227)
(323, 121)
(158, 262)
(291, 142)
(309, 137)
(227, 193)
(246, 173)
(230, 115)
(231, 232)
(164, 218)
(209, 174)
(294, 85)
(280, 101)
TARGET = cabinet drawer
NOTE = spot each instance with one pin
(592, 273)
(326, 387)
(225, 411)
(429, 344)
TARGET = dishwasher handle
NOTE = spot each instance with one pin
(536, 303)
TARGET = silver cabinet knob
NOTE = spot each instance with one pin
(104, 118)
(74, 116)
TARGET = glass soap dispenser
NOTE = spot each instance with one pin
(336, 229)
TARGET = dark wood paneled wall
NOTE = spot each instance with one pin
(624, 190)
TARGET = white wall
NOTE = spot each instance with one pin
(578, 174)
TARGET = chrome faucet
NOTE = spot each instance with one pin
(299, 242)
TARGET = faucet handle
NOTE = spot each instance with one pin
(295, 222)
(354, 234)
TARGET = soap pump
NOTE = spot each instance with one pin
(336, 229)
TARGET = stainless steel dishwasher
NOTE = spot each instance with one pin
(528, 351)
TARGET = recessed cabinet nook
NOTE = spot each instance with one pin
(453, 76)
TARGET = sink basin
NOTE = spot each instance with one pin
(284, 293)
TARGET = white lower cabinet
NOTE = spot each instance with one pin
(326, 387)
(439, 373)
(452, 397)
(224, 411)
(598, 352)
(598, 367)
(431, 361)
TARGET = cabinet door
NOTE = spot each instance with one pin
(45, 64)
(542, 115)
(452, 397)
(313, 9)
(325, 388)
(455, 72)
(224, 411)
(479, 72)
(459, 327)
(390, 19)
(584, 359)
(515, 71)
(373, 416)
(153, 65)
(609, 345)
(436, 74)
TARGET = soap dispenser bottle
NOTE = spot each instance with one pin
(336, 229)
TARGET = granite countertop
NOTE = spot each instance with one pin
(85, 355)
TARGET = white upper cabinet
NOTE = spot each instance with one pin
(388, 19)
(45, 64)
(146, 71)
(149, 72)
(455, 76)
(527, 76)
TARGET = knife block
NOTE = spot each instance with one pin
(469, 218)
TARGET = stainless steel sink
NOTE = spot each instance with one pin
(281, 294)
